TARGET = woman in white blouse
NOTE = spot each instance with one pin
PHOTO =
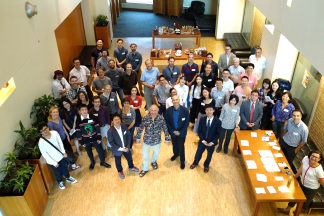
(182, 91)
(194, 98)
(230, 120)
(312, 177)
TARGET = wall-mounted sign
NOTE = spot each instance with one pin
(305, 79)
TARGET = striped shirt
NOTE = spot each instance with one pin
(221, 97)
(229, 117)
(152, 135)
(282, 115)
(296, 133)
(190, 71)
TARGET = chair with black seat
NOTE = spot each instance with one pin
(196, 8)
(299, 106)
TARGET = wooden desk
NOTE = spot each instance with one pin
(197, 36)
(182, 57)
(255, 143)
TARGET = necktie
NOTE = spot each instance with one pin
(208, 126)
(252, 111)
(62, 84)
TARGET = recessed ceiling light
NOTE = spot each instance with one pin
(289, 3)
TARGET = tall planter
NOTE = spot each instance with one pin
(31, 203)
(103, 32)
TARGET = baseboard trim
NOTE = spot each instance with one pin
(219, 39)
(137, 9)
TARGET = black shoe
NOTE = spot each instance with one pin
(182, 166)
(225, 151)
(104, 164)
(218, 150)
(174, 157)
(92, 166)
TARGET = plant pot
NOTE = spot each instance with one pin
(103, 32)
(31, 203)
(6, 192)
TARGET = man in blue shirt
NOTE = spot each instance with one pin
(171, 72)
(177, 119)
(149, 80)
(120, 54)
(190, 70)
(135, 58)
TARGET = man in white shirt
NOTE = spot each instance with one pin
(227, 83)
(120, 140)
(259, 63)
(236, 70)
(54, 154)
(60, 85)
(168, 102)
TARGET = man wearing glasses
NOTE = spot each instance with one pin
(171, 72)
(225, 59)
(161, 93)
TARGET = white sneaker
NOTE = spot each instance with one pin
(61, 185)
(71, 179)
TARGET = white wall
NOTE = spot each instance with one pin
(302, 24)
(229, 17)
(210, 6)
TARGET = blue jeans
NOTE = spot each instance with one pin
(148, 94)
(120, 93)
(146, 155)
(132, 136)
(104, 131)
(278, 129)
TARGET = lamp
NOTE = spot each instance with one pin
(30, 9)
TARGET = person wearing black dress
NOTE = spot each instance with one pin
(195, 95)
(84, 99)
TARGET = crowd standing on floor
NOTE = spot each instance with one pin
(218, 99)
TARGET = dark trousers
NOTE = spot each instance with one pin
(289, 151)
(57, 170)
(278, 129)
(217, 111)
(178, 147)
(200, 151)
(228, 133)
(162, 109)
(68, 150)
(120, 93)
(132, 136)
(89, 92)
(129, 159)
(309, 194)
(266, 122)
(98, 149)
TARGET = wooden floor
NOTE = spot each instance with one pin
(168, 190)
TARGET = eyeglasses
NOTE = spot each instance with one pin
(42, 131)
(314, 157)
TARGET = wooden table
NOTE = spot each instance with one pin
(182, 57)
(197, 36)
(255, 143)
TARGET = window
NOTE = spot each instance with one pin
(140, 1)
(6, 91)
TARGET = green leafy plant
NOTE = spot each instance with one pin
(9, 170)
(41, 108)
(18, 186)
(34, 151)
(11, 159)
(101, 20)
(27, 140)
(5, 183)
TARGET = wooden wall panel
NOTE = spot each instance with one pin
(70, 39)
(114, 11)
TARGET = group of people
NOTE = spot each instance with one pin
(221, 98)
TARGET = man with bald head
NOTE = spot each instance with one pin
(153, 123)
(177, 119)
(236, 70)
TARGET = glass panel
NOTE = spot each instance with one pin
(247, 20)
(306, 95)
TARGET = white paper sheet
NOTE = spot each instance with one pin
(278, 155)
(254, 134)
(244, 143)
(251, 164)
(276, 147)
(268, 161)
(284, 189)
(269, 133)
(265, 138)
(261, 177)
(271, 189)
(265, 153)
(272, 143)
(247, 152)
(282, 164)
(279, 178)
(260, 190)
(272, 167)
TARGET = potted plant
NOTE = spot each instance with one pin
(102, 30)
(41, 108)
(34, 152)
(5, 187)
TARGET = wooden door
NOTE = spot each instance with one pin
(114, 11)
(159, 6)
(175, 7)
(111, 14)
(70, 39)
(117, 8)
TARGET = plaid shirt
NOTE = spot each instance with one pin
(71, 93)
(152, 135)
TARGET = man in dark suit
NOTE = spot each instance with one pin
(177, 119)
(251, 113)
(120, 139)
(208, 132)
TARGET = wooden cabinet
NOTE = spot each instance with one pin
(103, 32)
(159, 6)
(175, 7)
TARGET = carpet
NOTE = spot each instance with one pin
(140, 24)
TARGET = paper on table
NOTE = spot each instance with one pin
(272, 167)
(282, 164)
(279, 178)
(251, 164)
(265, 138)
(254, 134)
(261, 177)
(284, 189)
(268, 161)
(269, 133)
(276, 147)
(272, 143)
(244, 143)
(278, 155)
(247, 152)
(271, 189)
(265, 153)
(260, 190)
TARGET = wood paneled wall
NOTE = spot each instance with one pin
(70, 38)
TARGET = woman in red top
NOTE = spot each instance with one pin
(136, 103)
